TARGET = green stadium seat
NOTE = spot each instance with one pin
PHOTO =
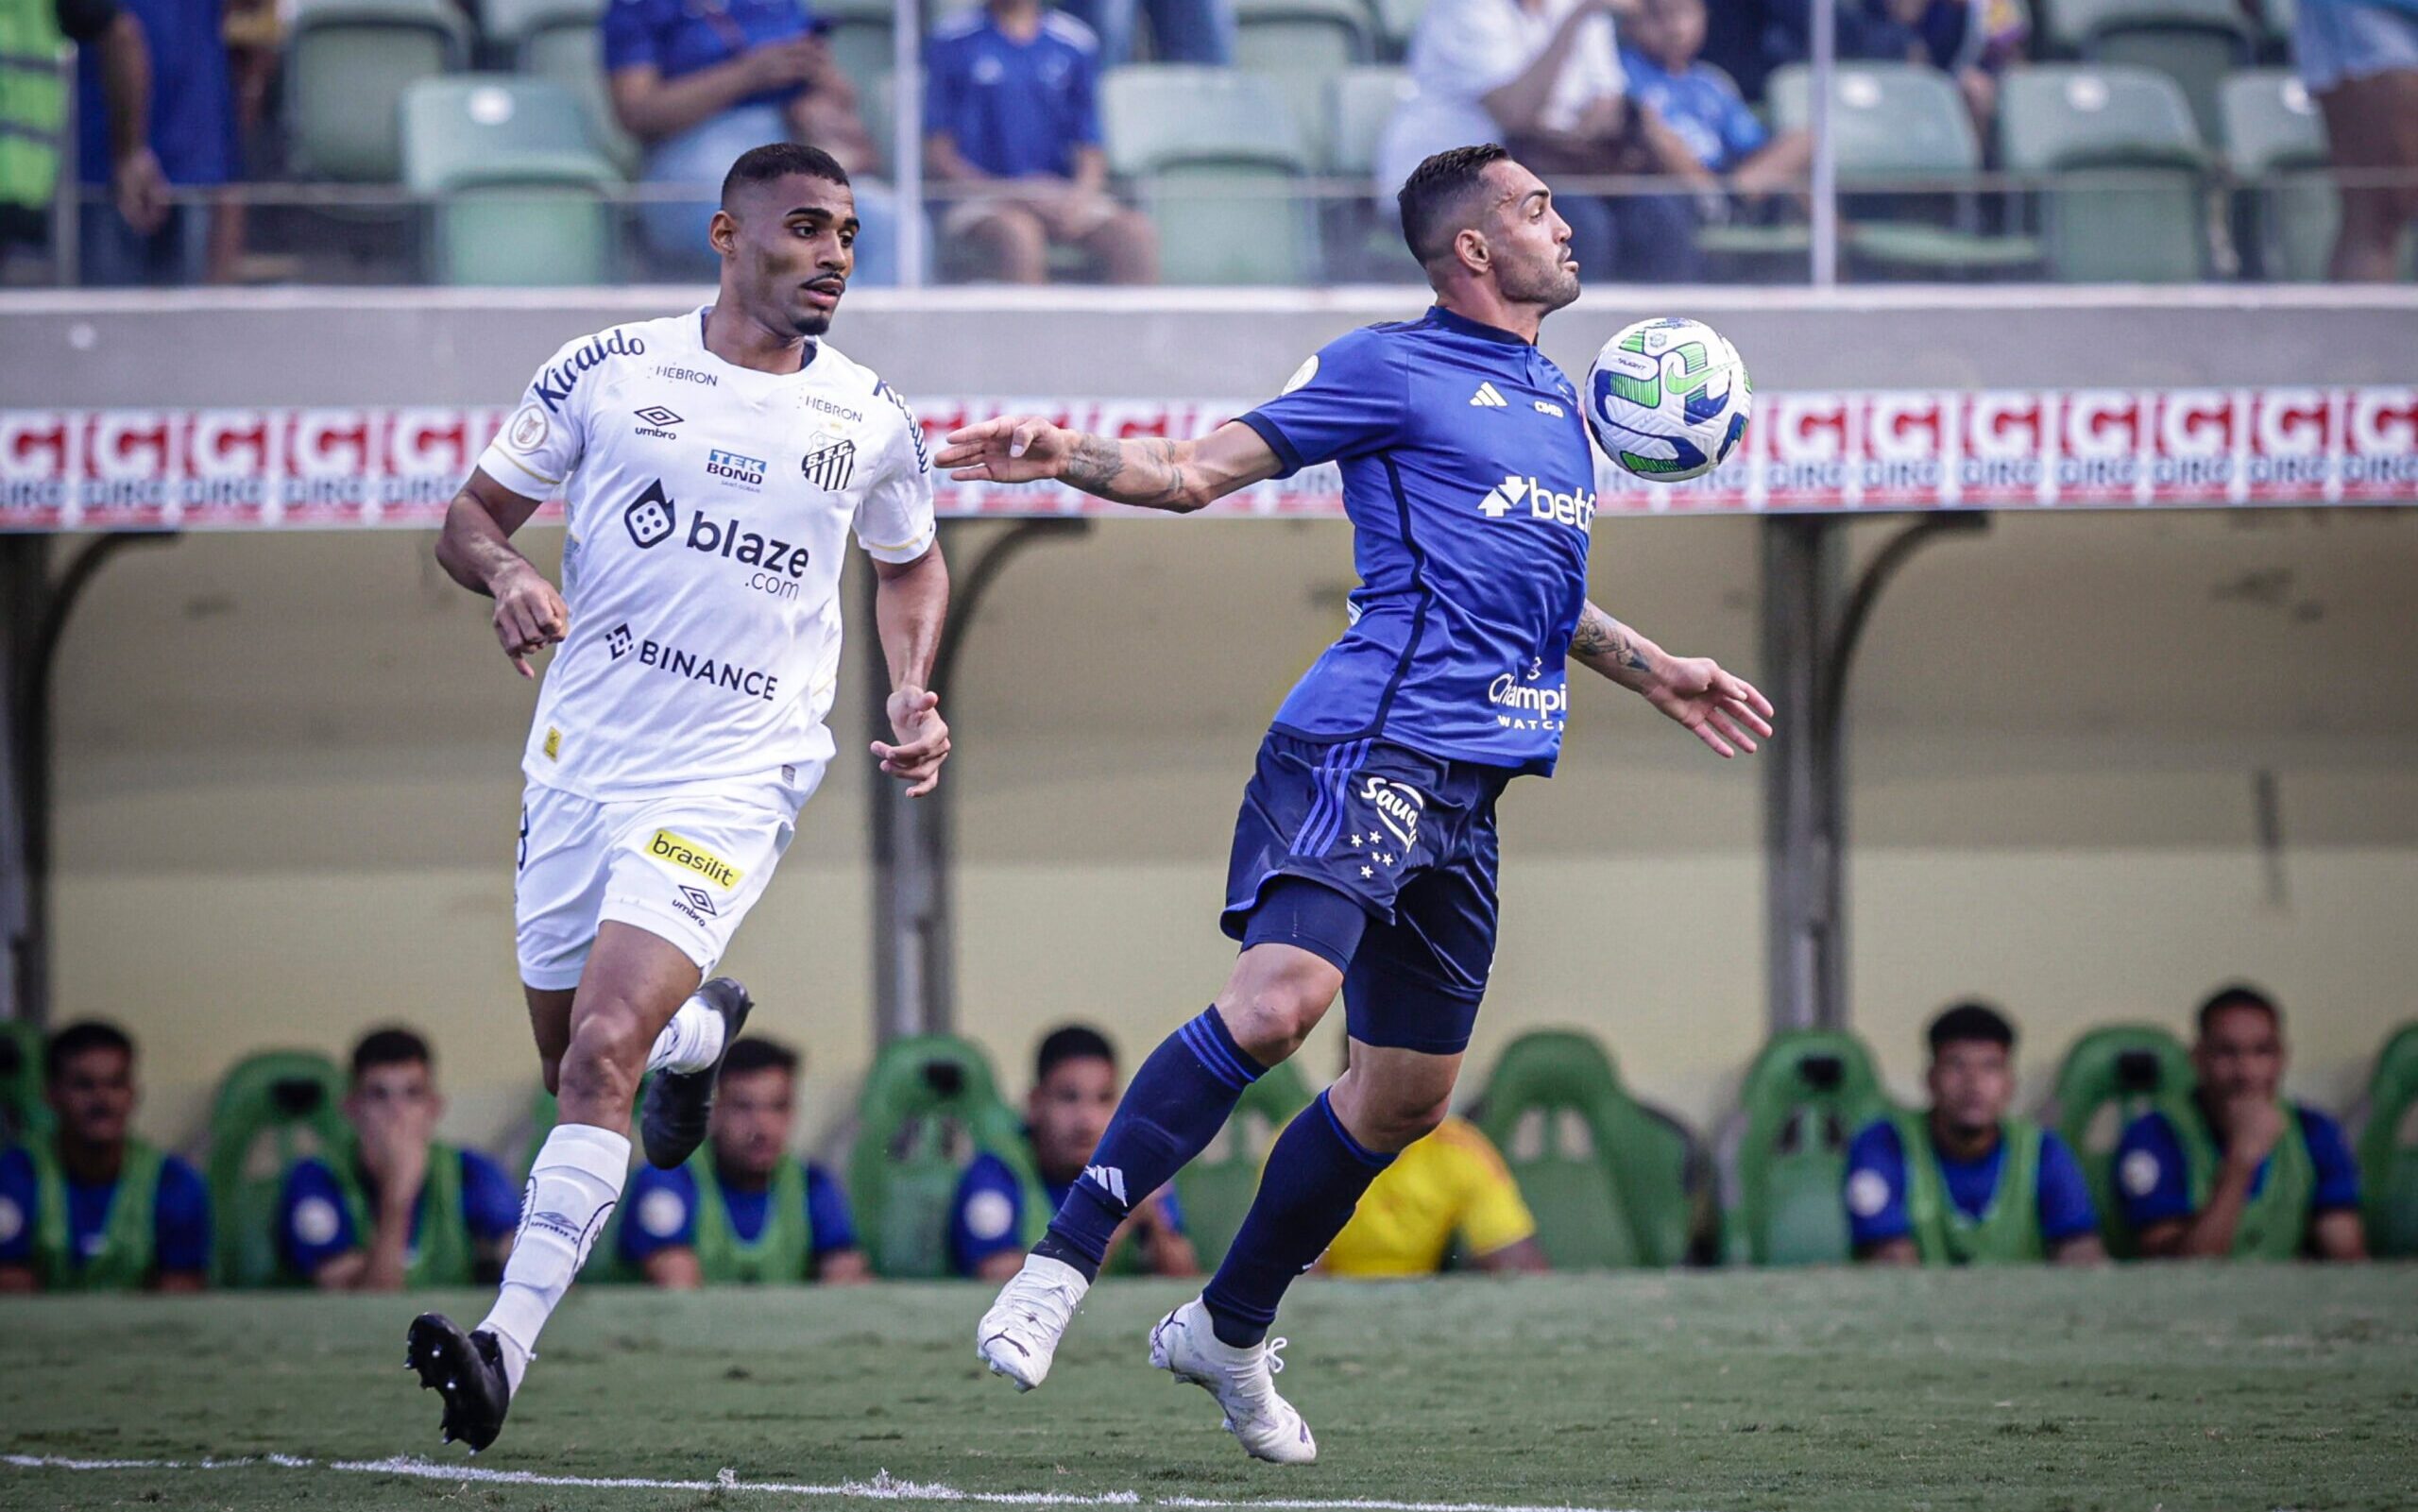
(507, 26)
(1606, 1177)
(1360, 101)
(2109, 1078)
(347, 63)
(1300, 46)
(24, 1110)
(1214, 159)
(1397, 22)
(2272, 132)
(860, 37)
(2388, 1148)
(2195, 42)
(1784, 1160)
(929, 1107)
(573, 57)
(272, 1108)
(1896, 124)
(2127, 206)
(1216, 1189)
(521, 197)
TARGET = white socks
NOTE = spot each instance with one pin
(692, 1042)
(573, 1188)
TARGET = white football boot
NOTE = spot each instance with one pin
(1020, 1335)
(1243, 1380)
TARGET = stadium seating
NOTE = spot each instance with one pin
(2129, 206)
(1301, 46)
(1896, 124)
(573, 57)
(1784, 1157)
(272, 1108)
(2195, 42)
(347, 64)
(521, 199)
(930, 1106)
(2388, 1148)
(1213, 158)
(2110, 1077)
(508, 28)
(1216, 1189)
(1361, 230)
(2271, 128)
(1606, 1178)
(860, 37)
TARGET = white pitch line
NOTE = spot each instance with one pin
(884, 1486)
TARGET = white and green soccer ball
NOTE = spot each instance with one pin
(1668, 399)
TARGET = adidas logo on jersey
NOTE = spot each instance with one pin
(1487, 398)
(1577, 507)
(1109, 1179)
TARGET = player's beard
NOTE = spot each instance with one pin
(1551, 286)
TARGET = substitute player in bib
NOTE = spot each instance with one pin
(1364, 856)
(712, 465)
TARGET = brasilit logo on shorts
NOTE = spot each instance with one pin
(678, 849)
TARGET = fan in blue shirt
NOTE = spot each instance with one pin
(1012, 126)
(1364, 859)
(1699, 103)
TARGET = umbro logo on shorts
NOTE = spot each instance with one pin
(831, 466)
(1487, 398)
(698, 898)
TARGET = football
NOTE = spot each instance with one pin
(1668, 399)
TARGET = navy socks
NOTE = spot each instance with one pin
(1314, 1180)
(1171, 1109)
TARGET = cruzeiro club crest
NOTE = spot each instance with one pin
(831, 466)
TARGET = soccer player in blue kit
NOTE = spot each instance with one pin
(1365, 856)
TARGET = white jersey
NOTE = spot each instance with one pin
(708, 506)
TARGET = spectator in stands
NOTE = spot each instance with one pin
(1543, 78)
(1702, 106)
(192, 138)
(1966, 1183)
(1012, 119)
(744, 1210)
(996, 1208)
(1182, 31)
(2233, 1170)
(1974, 40)
(701, 81)
(400, 1208)
(89, 1207)
(2359, 59)
(1450, 1185)
(33, 118)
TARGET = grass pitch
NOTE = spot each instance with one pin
(2169, 1387)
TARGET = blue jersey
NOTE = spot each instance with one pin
(1013, 109)
(1471, 490)
(663, 1212)
(2155, 1186)
(986, 1216)
(681, 37)
(313, 1226)
(1700, 106)
(1876, 1187)
(179, 1215)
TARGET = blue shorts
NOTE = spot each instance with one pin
(1382, 861)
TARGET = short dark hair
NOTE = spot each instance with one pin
(391, 1045)
(759, 1055)
(2237, 995)
(1432, 197)
(778, 159)
(1970, 1023)
(81, 1038)
(1070, 1042)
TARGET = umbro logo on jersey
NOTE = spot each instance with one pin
(1577, 507)
(831, 466)
(659, 421)
(1487, 398)
(1109, 1179)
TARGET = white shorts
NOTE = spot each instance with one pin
(685, 867)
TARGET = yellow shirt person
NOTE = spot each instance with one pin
(1450, 1182)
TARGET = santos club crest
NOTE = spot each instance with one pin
(831, 466)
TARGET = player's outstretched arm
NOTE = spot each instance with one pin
(911, 606)
(1146, 472)
(1724, 711)
(475, 548)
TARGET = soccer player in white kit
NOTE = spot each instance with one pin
(712, 465)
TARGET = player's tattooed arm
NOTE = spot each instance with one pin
(475, 549)
(1148, 472)
(1723, 710)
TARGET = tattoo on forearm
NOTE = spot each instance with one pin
(1601, 638)
(1142, 472)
